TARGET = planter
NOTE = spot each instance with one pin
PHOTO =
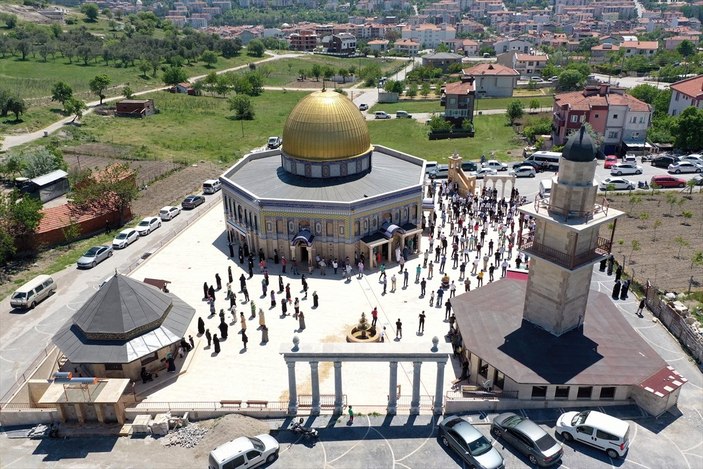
(443, 135)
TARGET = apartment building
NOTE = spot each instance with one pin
(493, 80)
(646, 48)
(429, 35)
(527, 65)
(458, 101)
(305, 40)
(686, 93)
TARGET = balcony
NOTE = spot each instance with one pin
(568, 261)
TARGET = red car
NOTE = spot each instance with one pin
(668, 181)
(610, 160)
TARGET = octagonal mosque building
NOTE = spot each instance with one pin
(328, 191)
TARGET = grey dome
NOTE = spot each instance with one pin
(579, 147)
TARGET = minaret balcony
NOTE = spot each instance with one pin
(569, 261)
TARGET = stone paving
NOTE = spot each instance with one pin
(259, 372)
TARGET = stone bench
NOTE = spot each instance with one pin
(228, 403)
(258, 404)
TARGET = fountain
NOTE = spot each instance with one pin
(363, 333)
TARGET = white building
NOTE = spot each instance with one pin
(685, 93)
(429, 35)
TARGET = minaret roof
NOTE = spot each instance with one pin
(579, 147)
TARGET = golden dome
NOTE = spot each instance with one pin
(325, 125)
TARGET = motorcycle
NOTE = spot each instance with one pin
(642, 185)
(297, 427)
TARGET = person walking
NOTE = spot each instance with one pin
(223, 327)
(284, 308)
(430, 270)
(301, 321)
(360, 265)
(423, 286)
(305, 287)
(432, 298)
(385, 284)
(280, 284)
(201, 326)
(399, 329)
(245, 340)
(421, 326)
(452, 290)
(315, 300)
(405, 278)
(640, 308)
(382, 270)
(262, 319)
(474, 266)
(374, 316)
(242, 282)
(447, 309)
(205, 291)
(442, 263)
(288, 292)
(216, 343)
(351, 415)
(418, 270)
(479, 279)
(243, 321)
(393, 283)
(491, 269)
(218, 282)
(296, 307)
(246, 294)
(273, 299)
(208, 336)
(229, 273)
(440, 295)
(211, 292)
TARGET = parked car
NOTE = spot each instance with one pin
(693, 157)
(537, 165)
(169, 212)
(536, 78)
(211, 186)
(33, 292)
(147, 225)
(625, 168)
(667, 181)
(244, 452)
(525, 171)
(495, 164)
(274, 142)
(363, 107)
(697, 180)
(483, 172)
(439, 172)
(595, 429)
(469, 166)
(124, 238)
(382, 115)
(629, 158)
(610, 160)
(528, 438)
(684, 166)
(616, 184)
(469, 443)
(403, 115)
(94, 256)
(192, 201)
(663, 161)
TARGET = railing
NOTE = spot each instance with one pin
(544, 202)
(205, 405)
(41, 356)
(479, 395)
(566, 260)
(326, 400)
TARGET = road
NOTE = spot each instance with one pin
(11, 141)
(630, 82)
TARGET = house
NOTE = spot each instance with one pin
(466, 47)
(458, 101)
(185, 88)
(671, 43)
(526, 64)
(429, 35)
(511, 45)
(305, 40)
(135, 108)
(493, 80)
(48, 186)
(646, 48)
(342, 43)
(621, 119)
(406, 47)
(685, 93)
(602, 52)
(378, 45)
(442, 60)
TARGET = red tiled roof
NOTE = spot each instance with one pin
(663, 382)
(692, 87)
(531, 58)
(490, 70)
(578, 102)
(459, 88)
(640, 44)
(59, 217)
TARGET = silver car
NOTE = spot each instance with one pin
(684, 166)
(469, 443)
(528, 438)
(625, 168)
(94, 256)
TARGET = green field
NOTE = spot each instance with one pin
(410, 136)
(284, 72)
(190, 128)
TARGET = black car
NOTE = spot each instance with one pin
(192, 201)
(663, 161)
(539, 167)
(469, 166)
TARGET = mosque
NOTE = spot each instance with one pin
(327, 191)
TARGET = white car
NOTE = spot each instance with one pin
(596, 429)
(124, 238)
(625, 168)
(482, 172)
(495, 164)
(693, 157)
(616, 184)
(684, 166)
(524, 172)
(169, 212)
(244, 452)
(148, 225)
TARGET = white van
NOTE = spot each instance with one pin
(597, 429)
(33, 292)
(549, 160)
(211, 186)
(545, 188)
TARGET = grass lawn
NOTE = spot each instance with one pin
(284, 72)
(502, 103)
(525, 92)
(408, 135)
(191, 129)
(39, 118)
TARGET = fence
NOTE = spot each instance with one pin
(675, 323)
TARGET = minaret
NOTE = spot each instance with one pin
(566, 243)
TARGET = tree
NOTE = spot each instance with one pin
(98, 85)
(19, 217)
(439, 124)
(242, 106)
(682, 243)
(61, 92)
(425, 90)
(256, 48)
(316, 71)
(127, 92)
(75, 106)
(644, 216)
(534, 104)
(671, 200)
(113, 189)
(634, 247)
(144, 66)
(686, 48)
(655, 225)
(17, 106)
(412, 91)
(570, 80)
(697, 259)
(327, 73)
(174, 75)
(230, 47)
(515, 111)
(645, 92)
(91, 11)
(209, 57)
(39, 160)
(344, 73)
(687, 129)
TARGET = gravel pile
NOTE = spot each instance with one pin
(185, 437)
(227, 428)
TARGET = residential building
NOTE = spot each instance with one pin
(458, 101)
(526, 64)
(441, 60)
(406, 46)
(646, 48)
(493, 80)
(511, 45)
(685, 93)
(429, 35)
(305, 40)
(601, 53)
(673, 42)
(342, 43)
(621, 119)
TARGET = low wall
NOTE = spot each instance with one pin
(675, 323)
(452, 406)
(24, 417)
(203, 414)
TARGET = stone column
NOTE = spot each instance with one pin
(415, 401)
(338, 401)
(292, 389)
(439, 389)
(315, 382)
(393, 389)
